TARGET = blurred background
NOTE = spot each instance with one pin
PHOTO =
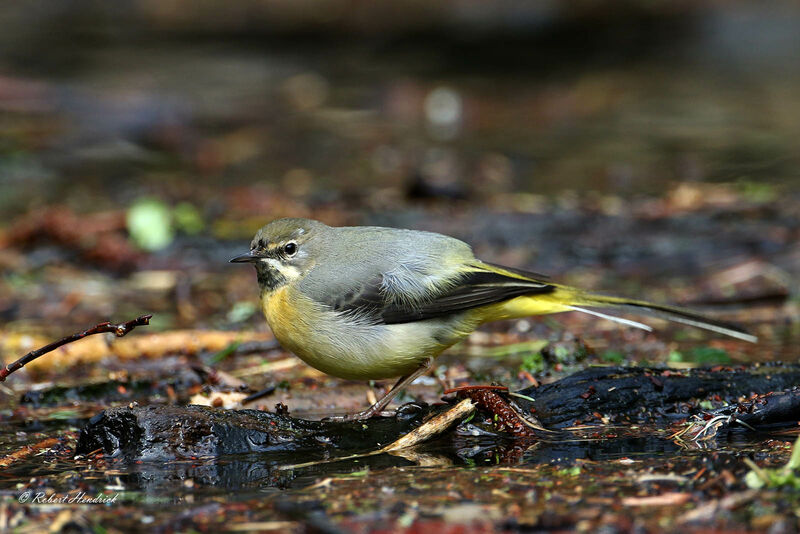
(643, 148)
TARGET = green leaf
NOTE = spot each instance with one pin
(794, 461)
(188, 219)
(241, 311)
(150, 224)
(675, 356)
(753, 481)
(759, 477)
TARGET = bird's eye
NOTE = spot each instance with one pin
(290, 248)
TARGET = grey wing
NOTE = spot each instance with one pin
(378, 302)
(399, 276)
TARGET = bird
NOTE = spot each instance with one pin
(373, 303)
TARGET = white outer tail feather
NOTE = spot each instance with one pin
(677, 318)
(620, 320)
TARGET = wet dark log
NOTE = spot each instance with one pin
(777, 408)
(164, 432)
(649, 395)
(611, 393)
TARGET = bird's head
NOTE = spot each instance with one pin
(282, 251)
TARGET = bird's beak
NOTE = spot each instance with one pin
(247, 257)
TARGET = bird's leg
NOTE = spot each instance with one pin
(381, 403)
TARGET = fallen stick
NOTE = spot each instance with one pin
(118, 330)
(149, 346)
(26, 451)
(433, 427)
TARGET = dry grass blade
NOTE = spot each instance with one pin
(155, 345)
(703, 430)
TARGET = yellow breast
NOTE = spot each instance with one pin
(288, 314)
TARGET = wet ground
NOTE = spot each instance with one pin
(663, 165)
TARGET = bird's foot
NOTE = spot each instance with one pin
(359, 416)
(410, 409)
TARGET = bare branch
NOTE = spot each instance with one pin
(118, 330)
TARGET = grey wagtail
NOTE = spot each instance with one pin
(370, 303)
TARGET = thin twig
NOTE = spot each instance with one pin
(118, 330)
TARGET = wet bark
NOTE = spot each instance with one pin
(157, 432)
(618, 394)
(649, 395)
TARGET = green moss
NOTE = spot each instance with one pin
(533, 363)
(700, 355)
(612, 356)
(709, 355)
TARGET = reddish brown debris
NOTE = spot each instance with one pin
(465, 389)
(99, 238)
(507, 418)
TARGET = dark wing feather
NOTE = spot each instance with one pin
(474, 289)
(530, 275)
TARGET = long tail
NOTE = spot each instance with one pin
(520, 293)
(583, 302)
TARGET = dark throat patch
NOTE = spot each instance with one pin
(269, 278)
